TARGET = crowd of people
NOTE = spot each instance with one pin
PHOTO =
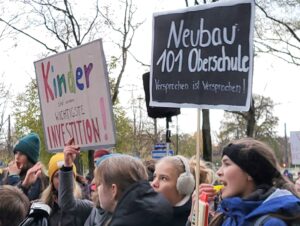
(127, 191)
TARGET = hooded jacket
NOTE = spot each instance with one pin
(238, 211)
(141, 205)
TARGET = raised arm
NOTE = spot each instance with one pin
(66, 200)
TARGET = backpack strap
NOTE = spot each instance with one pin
(261, 220)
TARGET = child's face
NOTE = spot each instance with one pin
(236, 181)
(20, 159)
(107, 195)
(164, 181)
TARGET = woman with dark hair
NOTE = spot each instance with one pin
(255, 192)
(25, 171)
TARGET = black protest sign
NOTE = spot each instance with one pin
(203, 56)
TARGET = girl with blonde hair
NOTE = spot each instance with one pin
(50, 194)
(173, 178)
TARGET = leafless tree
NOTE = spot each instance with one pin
(62, 24)
(277, 29)
(126, 30)
(52, 23)
(4, 119)
(58, 25)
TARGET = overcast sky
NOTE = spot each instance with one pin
(272, 77)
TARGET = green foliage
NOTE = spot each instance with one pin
(187, 144)
(234, 125)
(27, 114)
(124, 131)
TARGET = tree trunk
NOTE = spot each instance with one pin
(206, 137)
(251, 120)
(91, 163)
(78, 164)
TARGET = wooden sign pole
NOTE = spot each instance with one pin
(198, 164)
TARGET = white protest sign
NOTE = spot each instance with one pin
(75, 98)
(295, 147)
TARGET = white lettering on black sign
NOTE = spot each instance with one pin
(203, 56)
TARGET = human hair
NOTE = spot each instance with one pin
(50, 194)
(259, 161)
(122, 170)
(150, 166)
(207, 174)
(14, 205)
(185, 181)
(176, 162)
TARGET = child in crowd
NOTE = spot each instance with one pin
(14, 205)
(255, 192)
(124, 191)
(126, 197)
(25, 171)
(89, 212)
(50, 195)
(173, 178)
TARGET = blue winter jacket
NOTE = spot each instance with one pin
(245, 212)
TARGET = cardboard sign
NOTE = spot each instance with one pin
(203, 56)
(75, 98)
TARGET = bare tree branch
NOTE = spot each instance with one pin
(28, 35)
(283, 41)
(127, 32)
(279, 22)
(137, 60)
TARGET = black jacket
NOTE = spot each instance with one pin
(140, 205)
(181, 214)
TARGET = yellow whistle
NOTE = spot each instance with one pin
(218, 187)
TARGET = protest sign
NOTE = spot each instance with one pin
(75, 98)
(295, 147)
(202, 56)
